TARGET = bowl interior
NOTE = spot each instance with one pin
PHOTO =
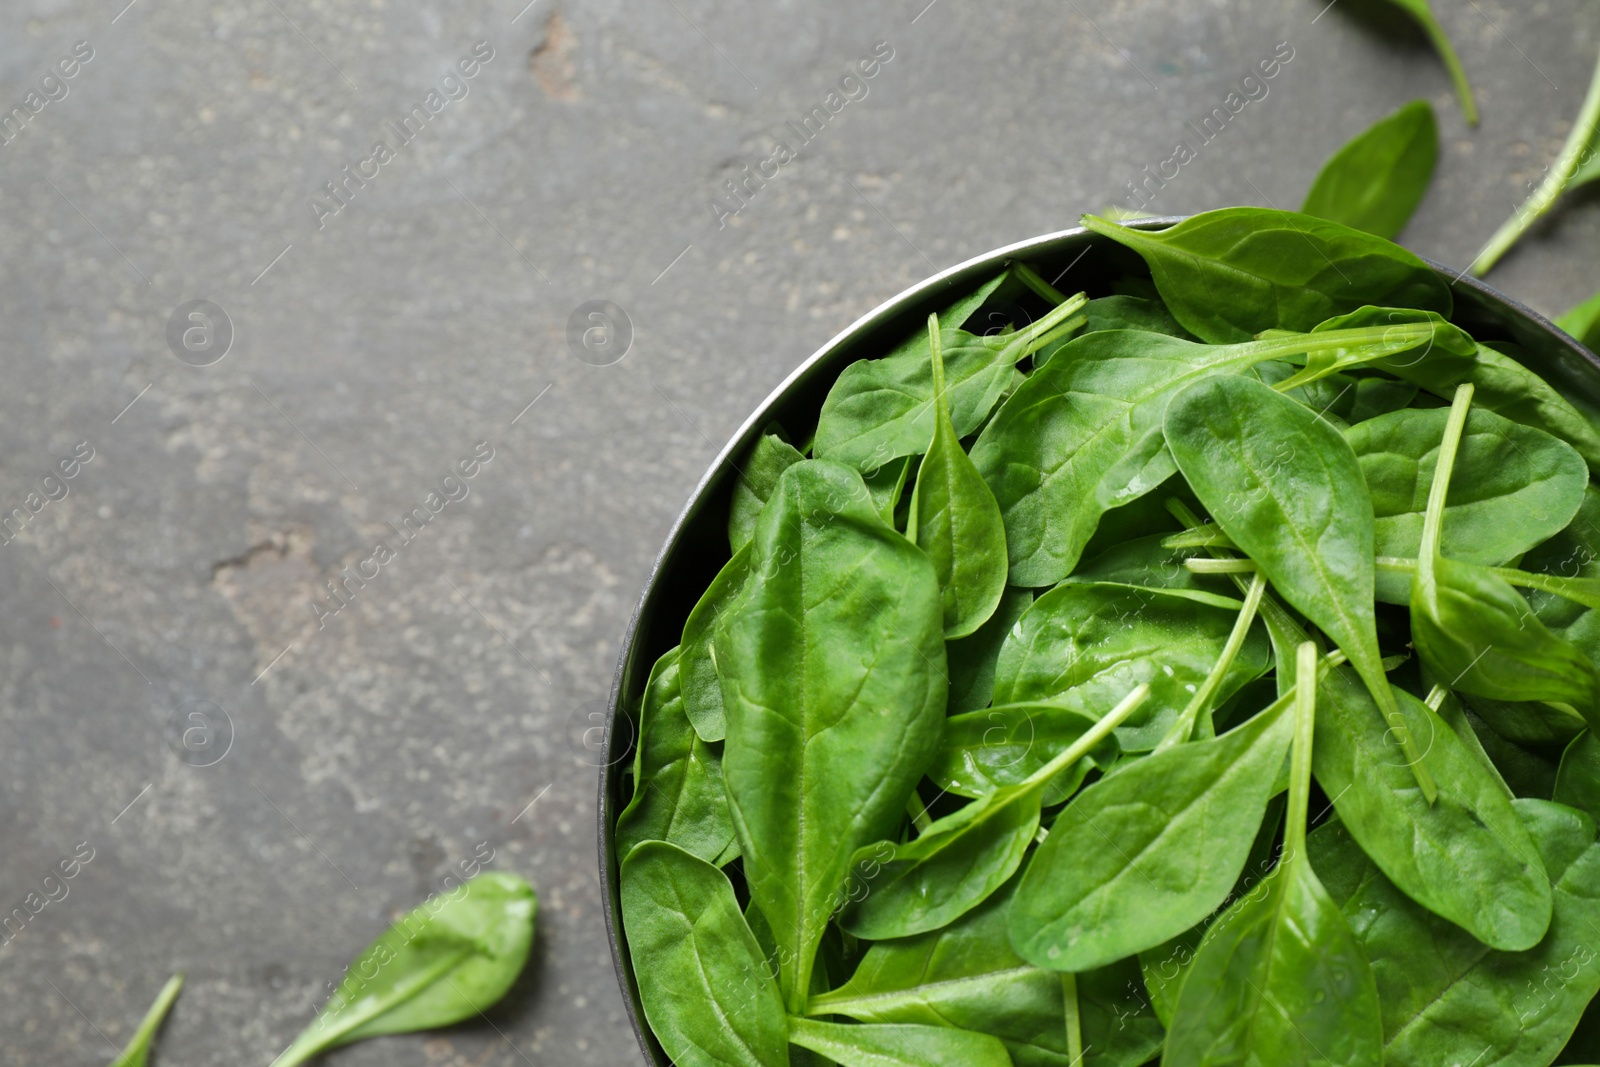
(697, 547)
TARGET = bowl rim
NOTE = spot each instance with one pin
(760, 416)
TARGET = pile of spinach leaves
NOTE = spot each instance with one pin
(1202, 672)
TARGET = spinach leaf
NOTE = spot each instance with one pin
(1518, 487)
(1447, 997)
(972, 659)
(955, 520)
(1147, 852)
(1506, 387)
(1578, 778)
(887, 485)
(697, 663)
(705, 985)
(1279, 977)
(1375, 182)
(1583, 321)
(1228, 275)
(1568, 172)
(1121, 312)
(1006, 744)
(137, 1051)
(769, 457)
(1082, 646)
(966, 975)
(1083, 434)
(1470, 626)
(1287, 489)
(1419, 10)
(832, 666)
(956, 862)
(882, 409)
(898, 1045)
(447, 960)
(678, 795)
(1465, 857)
(1144, 561)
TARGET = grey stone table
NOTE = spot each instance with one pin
(263, 773)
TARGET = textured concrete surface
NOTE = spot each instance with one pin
(264, 783)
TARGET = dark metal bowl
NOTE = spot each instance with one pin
(697, 547)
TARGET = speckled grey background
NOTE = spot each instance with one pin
(364, 754)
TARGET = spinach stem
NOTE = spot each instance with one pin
(151, 1022)
(1069, 996)
(1555, 183)
(1034, 335)
(1585, 591)
(1305, 712)
(1433, 518)
(1092, 736)
(1032, 279)
(1220, 566)
(1201, 701)
(918, 811)
(936, 345)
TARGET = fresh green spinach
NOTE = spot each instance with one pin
(1375, 182)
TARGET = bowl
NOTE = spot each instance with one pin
(697, 547)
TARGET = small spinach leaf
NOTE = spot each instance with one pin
(967, 975)
(898, 1045)
(1082, 646)
(1003, 745)
(1375, 182)
(449, 959)
(956, 862)
(1228, 275)
(1279, 977)
(769, 457)
(955, 520)
(697, 664)
(1145, 853)
(678, 794)
(832, 664)
(705, 985)
(972, 659)
(1447, 997)
(1465, 857)
(1287, 489)
(1518, 487)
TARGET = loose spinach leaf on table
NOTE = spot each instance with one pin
(1279, 977)
(972, 659)
(1228, 275)
(1465, 857)
(955, 863)
(1082, 646)
(832, 665)
(1518, 487)
(1288, 491)
(955, 520)
(966, 975)
(705, 985)
(1375, 182)
(449, 959)
(1449, 998)
(136, 1053)
(769, 457)
(678, 794)
(697, 664)
(898, 1045)
(1182, 822)
(882, 409)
